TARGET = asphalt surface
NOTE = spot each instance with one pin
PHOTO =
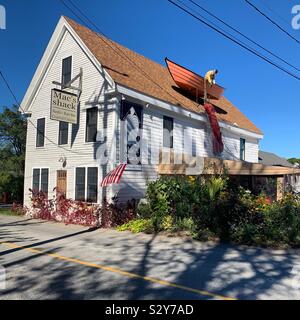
(45, 260)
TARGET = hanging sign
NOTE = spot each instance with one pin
(64, 106)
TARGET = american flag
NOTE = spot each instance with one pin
(114, 176)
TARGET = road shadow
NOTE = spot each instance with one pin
(220, 269)
(36, 244)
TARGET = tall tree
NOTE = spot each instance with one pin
(12, 152)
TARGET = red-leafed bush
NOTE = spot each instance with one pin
(69, 211)
(18, 209)
(115, 214)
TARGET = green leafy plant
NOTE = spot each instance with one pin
(137, 226)
(214, 186)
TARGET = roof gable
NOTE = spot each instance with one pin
(41, 70)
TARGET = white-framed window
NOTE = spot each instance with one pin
(66, 70)
(91, 124)
(242, 149)
(40, 132)
(40, 180)
(63, 133)
(168, 129)
(86, 184)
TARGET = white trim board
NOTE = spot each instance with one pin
(180, 111)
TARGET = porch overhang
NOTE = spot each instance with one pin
(215, 165)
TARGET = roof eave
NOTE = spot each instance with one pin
(181, 110)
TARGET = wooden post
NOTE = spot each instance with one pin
(280, 187)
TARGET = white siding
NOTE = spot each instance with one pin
(78, 152)
(134, 180)
(133, 183)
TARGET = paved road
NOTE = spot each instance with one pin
(45, 260)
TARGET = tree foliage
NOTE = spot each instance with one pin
(294, 160)
(12, 152)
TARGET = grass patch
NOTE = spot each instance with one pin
(8, 212)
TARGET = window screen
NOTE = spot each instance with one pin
(92, 183)
(80, 184)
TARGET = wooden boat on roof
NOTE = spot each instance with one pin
(192, 82)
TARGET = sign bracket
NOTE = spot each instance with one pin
(69, 84)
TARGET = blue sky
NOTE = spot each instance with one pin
(156, 29)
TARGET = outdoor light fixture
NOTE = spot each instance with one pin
(62, 159)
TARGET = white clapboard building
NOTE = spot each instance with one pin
(88, 93)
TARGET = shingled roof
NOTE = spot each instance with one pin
(137, 72)
(272, 159)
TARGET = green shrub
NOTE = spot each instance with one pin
(144, 209)
(137, 226)
(166, 223)
(246, 233)
(282, 221)
(212, 207)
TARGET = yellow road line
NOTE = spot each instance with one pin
(119, 271)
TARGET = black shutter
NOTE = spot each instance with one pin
(92, 183)
(91, 124)
(44, 181)
(36, 180)
(63, 133)
(40, 134)
(66, 70)
(168, 132)
(80, 184)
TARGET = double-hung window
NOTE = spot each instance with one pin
(40, 180)
(63, 133)
(66, 70)
(86, 188)
(91, 124)
(40, 132)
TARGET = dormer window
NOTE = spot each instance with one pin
(66, 70)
